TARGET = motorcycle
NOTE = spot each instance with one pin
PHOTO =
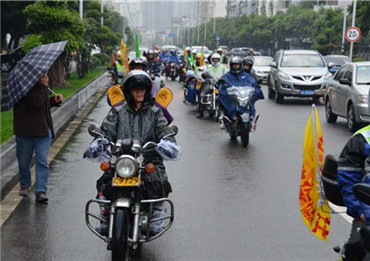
(332, 193)
(129, 215)
(239, 119)
(190, 90)
(208, 95)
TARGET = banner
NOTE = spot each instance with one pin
(137, 44)
(313, 204)
(123, 54)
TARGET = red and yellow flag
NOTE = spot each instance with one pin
(314, 206)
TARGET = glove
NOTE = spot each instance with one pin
(98, 150)
(168, 150)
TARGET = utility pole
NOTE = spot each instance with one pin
(353, 24)
(214, 17)
(81, 9)
(102, 12)
(344, 28)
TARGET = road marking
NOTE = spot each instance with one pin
(12, 199)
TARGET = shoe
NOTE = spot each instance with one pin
(102, 229)
(200, 115)
(41, 197)
(222, 126)
(157, 226)
(24, 192)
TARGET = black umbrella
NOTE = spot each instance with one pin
(28, 71)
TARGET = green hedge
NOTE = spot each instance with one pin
(104, 58)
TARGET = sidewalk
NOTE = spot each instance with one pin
(72, 112)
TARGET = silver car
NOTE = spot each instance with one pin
(347, 95)
(261, 67)
(299, 73)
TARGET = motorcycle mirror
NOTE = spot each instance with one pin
(94, 130)
(362, 192)
(174, 130)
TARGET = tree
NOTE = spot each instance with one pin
(362, 16)
(13, 22)
(328, 32)
(53, 21)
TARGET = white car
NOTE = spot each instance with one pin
(206, 51)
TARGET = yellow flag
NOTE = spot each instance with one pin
(164, 97)
(201, 58)
(115, 95)
(313, 204)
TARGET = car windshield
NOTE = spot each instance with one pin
(363, 75)
(302, 60)
(262, 61)
(205, 49)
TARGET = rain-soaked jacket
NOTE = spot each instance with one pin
(146, 124)
(354, 167)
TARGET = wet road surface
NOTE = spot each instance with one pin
(231, 203)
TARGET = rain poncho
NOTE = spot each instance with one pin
(238, 79)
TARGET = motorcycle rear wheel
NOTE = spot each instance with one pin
(121, 228)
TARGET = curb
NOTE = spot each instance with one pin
(81, 103)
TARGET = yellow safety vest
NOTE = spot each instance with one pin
(365, 132)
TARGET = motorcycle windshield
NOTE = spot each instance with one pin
(232, 102)
(240, 95)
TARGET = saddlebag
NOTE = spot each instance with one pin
(330, 182)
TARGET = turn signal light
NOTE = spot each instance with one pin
(149, 168)
(104, 166)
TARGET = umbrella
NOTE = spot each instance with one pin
(28, 71)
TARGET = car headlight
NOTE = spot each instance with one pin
(363, 98)
(126, 166)
(283, 76)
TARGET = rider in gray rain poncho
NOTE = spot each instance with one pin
(139, 119)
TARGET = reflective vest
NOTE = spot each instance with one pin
(119, 67)
(217, 72)
(365, 132)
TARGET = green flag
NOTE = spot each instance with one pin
(137, 41)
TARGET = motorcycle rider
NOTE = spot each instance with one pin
(354, 167)
(141, 64)
(238, 77)
(153, 65)
(140, 119)
(221, 53)
(164, 55)
(173, 56)
(248, 64)
(217, 69)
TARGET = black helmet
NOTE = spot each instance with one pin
(142, 62)
(248, 61)
(137, 78)
(236, 60)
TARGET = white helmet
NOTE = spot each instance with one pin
(216, 56)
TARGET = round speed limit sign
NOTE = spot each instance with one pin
(353, 34)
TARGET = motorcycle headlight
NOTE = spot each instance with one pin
(126, 166)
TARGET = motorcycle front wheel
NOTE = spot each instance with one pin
(244, 133)
(121, 229)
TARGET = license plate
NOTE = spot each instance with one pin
(122, 182)
(307, 92)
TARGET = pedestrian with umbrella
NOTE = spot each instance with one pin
(26, 89)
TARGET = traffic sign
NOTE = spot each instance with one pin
(217, 38)
(353, 34)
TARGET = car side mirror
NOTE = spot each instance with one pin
(273, 64)
(345, 81)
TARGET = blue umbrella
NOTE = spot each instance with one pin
(28, 71)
